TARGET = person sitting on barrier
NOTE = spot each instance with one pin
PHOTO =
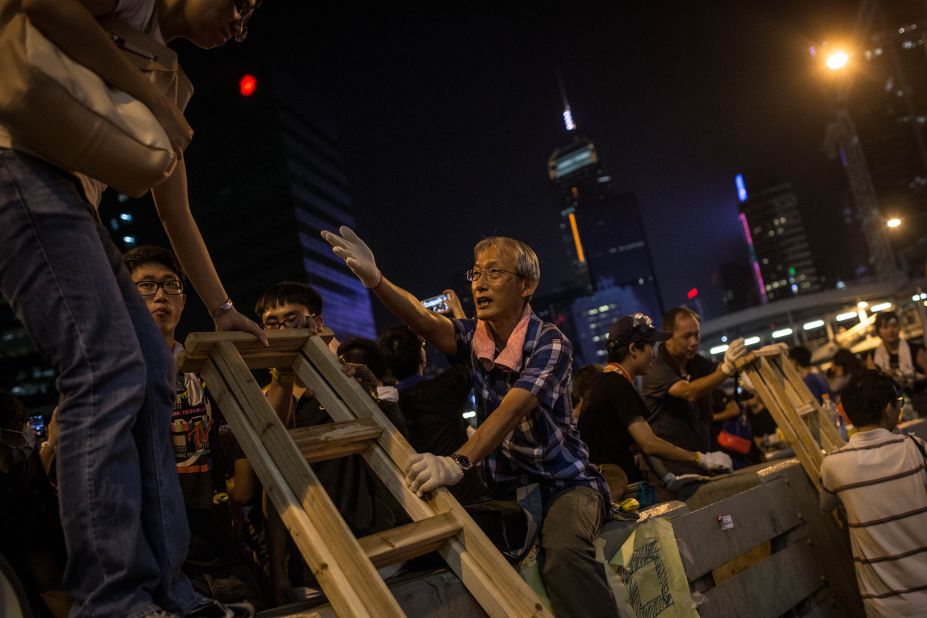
(814, 379)
(613, 422)
(361, 498)
(203, 466)
(526, 437)
(678, 388)
(880, 478)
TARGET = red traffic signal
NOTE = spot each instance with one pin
(247, 85)
(692, 294)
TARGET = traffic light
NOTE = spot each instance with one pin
(247, 85)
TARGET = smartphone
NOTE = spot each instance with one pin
(438, 303)
(37, 422)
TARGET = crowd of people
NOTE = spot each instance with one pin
(142, 504)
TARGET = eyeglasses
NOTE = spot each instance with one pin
(244, 8)
(308, 320)
(149, 287)
(491, 274)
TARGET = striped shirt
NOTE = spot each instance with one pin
(545, 448)
(881, 480)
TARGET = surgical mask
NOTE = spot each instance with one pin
(21, 443)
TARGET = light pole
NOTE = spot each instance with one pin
(842, 140)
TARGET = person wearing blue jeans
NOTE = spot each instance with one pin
(121, 506)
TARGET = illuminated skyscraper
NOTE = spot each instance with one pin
(602, 229)
(783, 264)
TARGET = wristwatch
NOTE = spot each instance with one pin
(462, 460)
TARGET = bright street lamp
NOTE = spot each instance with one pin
(837, 60)
(893, 222)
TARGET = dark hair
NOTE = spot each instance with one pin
(402, 347)
(582, 381)
(865, 397)
(152, 254)
(670, 317)
(286, 292)
(12, 411)
(365, 352)
(883, 318)
(848, 361)
(801, 355)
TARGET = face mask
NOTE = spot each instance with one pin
(21, 443)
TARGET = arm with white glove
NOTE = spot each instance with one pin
(734, 351)
(426, 472)
(715, 461)
(436, 328)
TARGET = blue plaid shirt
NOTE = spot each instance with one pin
(545, 448)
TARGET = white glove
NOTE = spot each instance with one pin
(356, 254)
(734, 351)
(716, 461)
(426, 472)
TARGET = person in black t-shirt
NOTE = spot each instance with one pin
(613, 420)
(677, 389)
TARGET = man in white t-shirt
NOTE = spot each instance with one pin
(879, 477)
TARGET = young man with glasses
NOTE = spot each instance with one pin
(211, 561)
(880, 478)
(364, 503)
(613, 421)
(526, 437)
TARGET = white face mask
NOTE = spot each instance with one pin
(21, 443)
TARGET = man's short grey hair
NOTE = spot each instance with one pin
(526, 260)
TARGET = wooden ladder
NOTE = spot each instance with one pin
(345, 567)
(807, 427)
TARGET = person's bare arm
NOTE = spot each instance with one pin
(70, 25)
(515, 406)
(698, 389)
(652, 444)
(243, 485)
(173, 207)
(731, 410)
(279, 394)
(437, 329)
(434, 327)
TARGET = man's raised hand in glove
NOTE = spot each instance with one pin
(716, 461)
(426, 472)
(356, 254)
(734, 351)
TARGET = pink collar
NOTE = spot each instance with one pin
(510, 357)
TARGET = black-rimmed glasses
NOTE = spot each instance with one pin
(308, 320)
(150, 287)
(491, 274)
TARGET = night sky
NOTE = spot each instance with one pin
(447, 117)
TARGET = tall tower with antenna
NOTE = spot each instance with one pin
(603, 235)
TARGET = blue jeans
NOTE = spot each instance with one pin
(121, 506)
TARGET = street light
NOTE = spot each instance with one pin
(893, 222)
(837, 60)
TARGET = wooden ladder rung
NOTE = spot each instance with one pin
(805, 409)
(334, 440)
(411, 540)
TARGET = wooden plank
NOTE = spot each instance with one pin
(333, 440)
(312, 542)
(361, 574)
(771, 588)
(472, 556)
(758, 514)
(284, 345)
(404, 542)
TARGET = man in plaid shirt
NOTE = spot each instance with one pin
(521, 369)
